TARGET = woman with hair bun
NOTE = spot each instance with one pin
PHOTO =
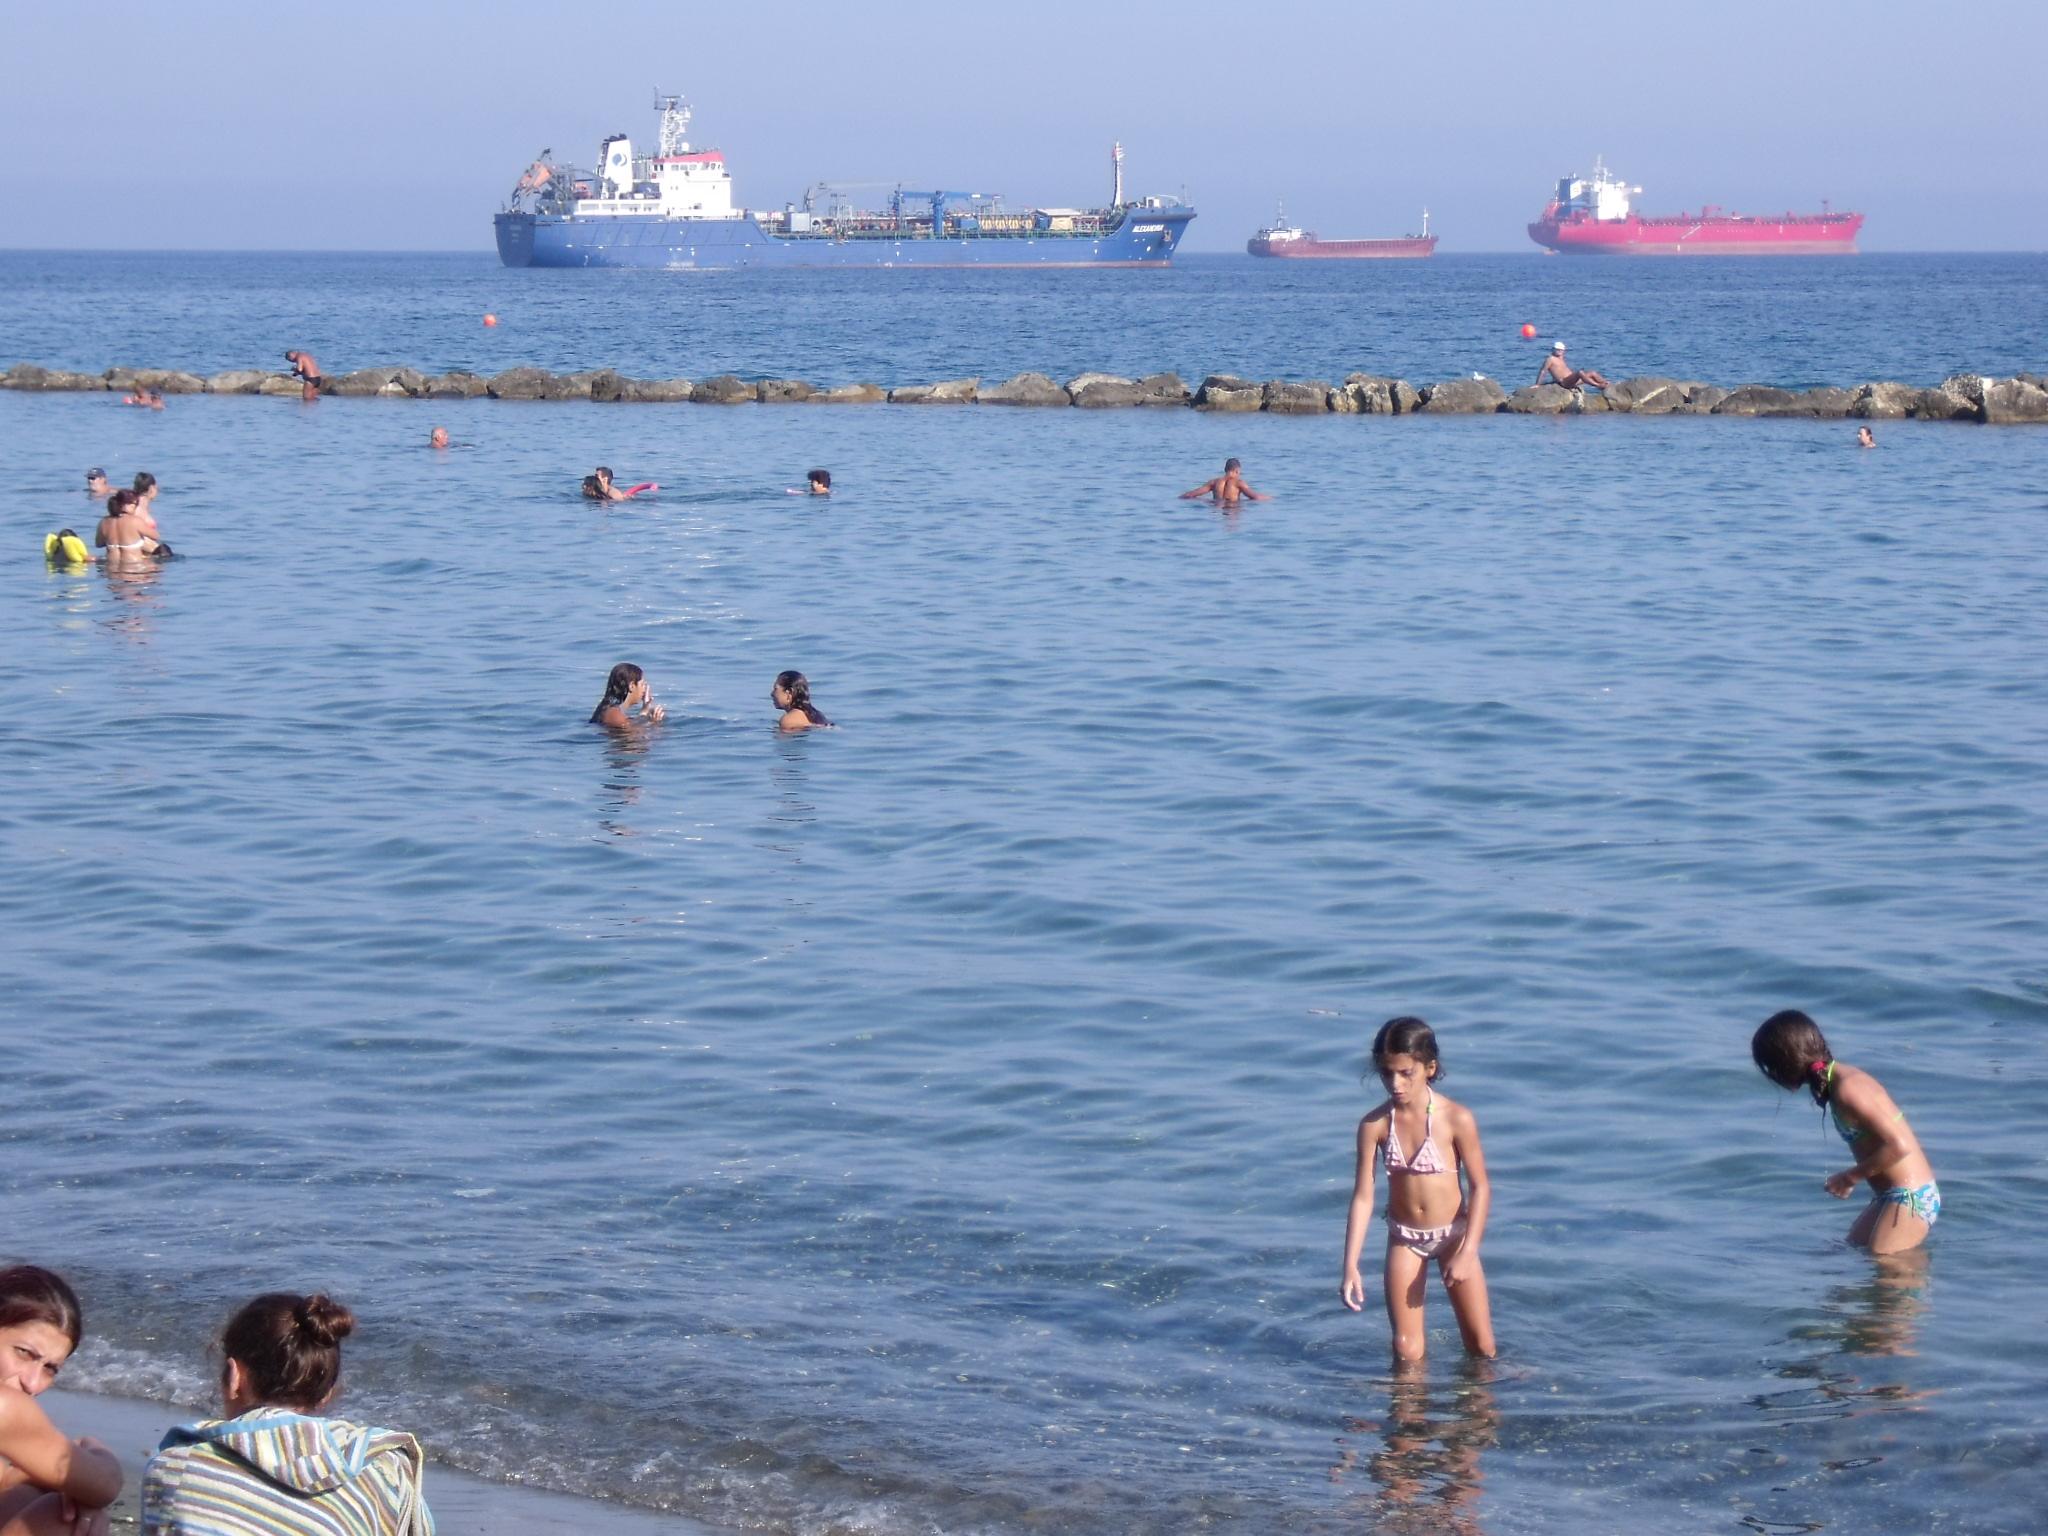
(48, 1482)
(277, 1465)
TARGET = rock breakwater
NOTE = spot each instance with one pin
(1961, 397)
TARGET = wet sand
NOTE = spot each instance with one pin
(462, 1504)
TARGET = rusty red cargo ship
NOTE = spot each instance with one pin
(1592, 216)
(1284, 239)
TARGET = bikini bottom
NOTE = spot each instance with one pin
(1429, 1242)
(1924, 1201)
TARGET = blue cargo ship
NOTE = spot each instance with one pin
(674, 209)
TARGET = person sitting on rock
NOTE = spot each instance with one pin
(1227, 489)
(307, 372)
(1556, 370)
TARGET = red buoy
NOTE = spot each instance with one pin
(493, 320)
(1528, 333)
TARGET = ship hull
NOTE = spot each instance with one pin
(1146, 238)
(1343, 250)
(1818, 235)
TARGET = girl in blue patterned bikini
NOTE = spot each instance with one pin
(1432, 1213)
(1790, 1050)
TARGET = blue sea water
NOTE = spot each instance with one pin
(943, 1123)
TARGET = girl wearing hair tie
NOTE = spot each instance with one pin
(277, 1464)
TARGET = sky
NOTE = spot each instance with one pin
(372, 126)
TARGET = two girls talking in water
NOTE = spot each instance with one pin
(629, 701)
(1438, 1197)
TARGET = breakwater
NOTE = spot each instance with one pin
(1960, 397)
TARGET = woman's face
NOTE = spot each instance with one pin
(639, 693)
(780, 696)
(31, 1354)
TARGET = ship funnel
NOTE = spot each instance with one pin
(1116, 170)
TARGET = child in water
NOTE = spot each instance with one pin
(791, 693)
(1790, 1050)
(625, 690)
(1429, 1214)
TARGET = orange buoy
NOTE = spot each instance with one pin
(493, 320)
(1528, 333)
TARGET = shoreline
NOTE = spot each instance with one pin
(1967, 397)
(463, 1505)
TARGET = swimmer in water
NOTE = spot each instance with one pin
(96, 485)
(1227, 489)
(598, 486)
(1556, 370)
(1865, 438)
(148, 399)
(817, 483)
(791, 693)
(145, 500)
(438, 438)
(625, 691)
(307, 372)
(1789, 1049)
(124, 534)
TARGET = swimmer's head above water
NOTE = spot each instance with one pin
(791, 693)
(820, 482)
(438, 438)
(624, 689)
(95, 482)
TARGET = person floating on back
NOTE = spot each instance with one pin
(52, 1483)
(1227, 489)
(625, 691)
(1429, 1216)
(277, 1464)
(816, 483)
(1789, 1049)
(597, 486)
(791, 693)
(307, 372)
(1556, 370)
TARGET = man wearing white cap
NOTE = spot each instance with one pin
(1556, 370)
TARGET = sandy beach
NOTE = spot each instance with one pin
(462, 1504)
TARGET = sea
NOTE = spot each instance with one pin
(945, 1122)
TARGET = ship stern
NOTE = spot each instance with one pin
(515, 239)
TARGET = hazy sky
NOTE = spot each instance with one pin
(368, 125)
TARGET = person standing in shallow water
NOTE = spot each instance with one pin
(625, 691)
(1227, 489)
(1429, 1214)
(277, 1464)
(791, 693)
(53, 1484)
(307, 372)
(1905, 1202)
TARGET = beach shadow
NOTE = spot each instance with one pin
(1427, 1474)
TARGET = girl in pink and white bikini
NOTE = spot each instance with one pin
(1431, 1213)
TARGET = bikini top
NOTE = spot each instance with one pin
(1849, 1133)
(1427, 1159)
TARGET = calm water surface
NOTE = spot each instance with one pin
(943, 1123)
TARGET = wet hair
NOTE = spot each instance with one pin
(144, 483)
(592, 489)
(602, 472)
(121, 502)
(1230, 464)
(1407, 1036)
(32, 1295)
(798, 688)
(1789, 1049)
(820, 477)
(616, 687)
(289, 1347)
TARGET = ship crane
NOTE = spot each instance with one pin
(939, 201)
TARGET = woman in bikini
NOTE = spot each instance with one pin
(1431, 1212)
(126, 534)
(1789, 1049)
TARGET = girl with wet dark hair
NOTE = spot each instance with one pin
(625, 690)
(1789, 1049)
(791, 693)
(1438, 1195)
(277, 1464)
(53, 1483)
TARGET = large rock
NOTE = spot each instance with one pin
(1228, 392)
(2007, 401)
(1463, 397)
(1941, 404)
(1882, 402)
(1340, 401)
(1096, 391)
(785, 391)
(63, 379)
(456, 385)
(1824, 401)
(1650, 395)
(722, 389)
(25, 376)
(1162, 389)
(361, 382)
(1283, 397)
(849, 394)
(1377, 395)
(945, 392)
(1542, 400)
(607, 386)
(169, 381)
(520, 384)
(1700, 399)
(1025, 389)
(570, 386)
(658, 391)
(235, 381)
(1755, 400)
(280, 384)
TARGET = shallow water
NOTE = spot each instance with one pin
(943, 1123)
